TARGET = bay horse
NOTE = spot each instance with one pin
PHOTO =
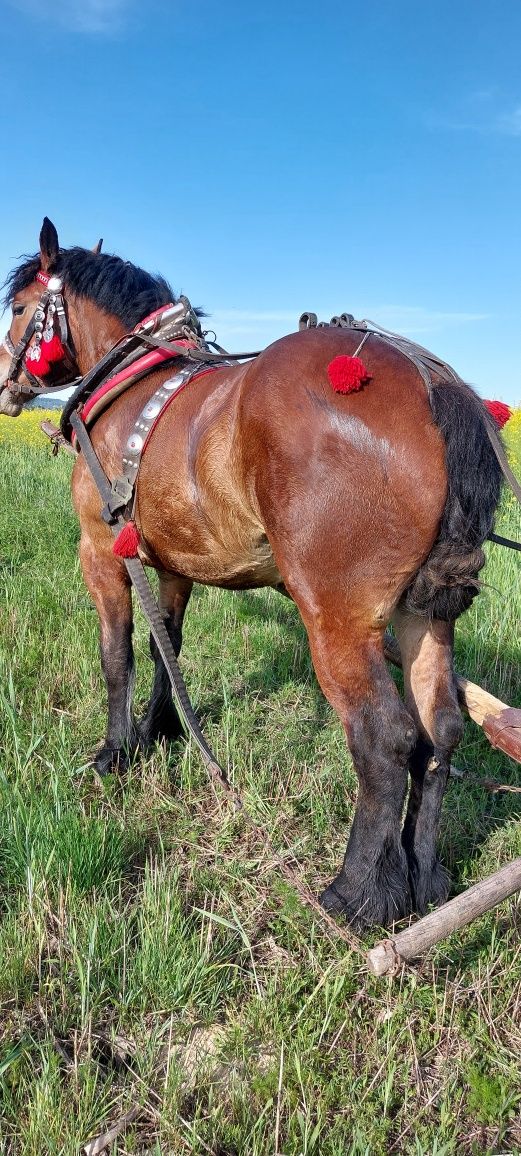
(366, 508)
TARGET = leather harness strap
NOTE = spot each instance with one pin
(198, 354)
(501, 541)
(426, 362)
(182, 319)
(123, 487)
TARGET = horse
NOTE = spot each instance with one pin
(365, 507)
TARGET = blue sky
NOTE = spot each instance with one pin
(270, 158)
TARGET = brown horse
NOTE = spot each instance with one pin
(365, 508)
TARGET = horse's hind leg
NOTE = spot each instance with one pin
(430, 694)
(109, 586)
(373, 884)
(161, 719)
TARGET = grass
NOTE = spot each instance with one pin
(152, 959)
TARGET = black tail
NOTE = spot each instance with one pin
(448, 580)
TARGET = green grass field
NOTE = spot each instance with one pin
(152, 961)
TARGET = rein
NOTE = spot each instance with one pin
(173, 331)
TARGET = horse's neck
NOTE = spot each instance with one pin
(94, 334)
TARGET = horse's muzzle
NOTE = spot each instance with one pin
(11, 404)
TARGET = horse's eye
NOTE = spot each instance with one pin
(18, 310)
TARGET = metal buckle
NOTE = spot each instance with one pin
(121, 494)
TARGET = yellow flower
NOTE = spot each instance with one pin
(512, 436)
(25, 429)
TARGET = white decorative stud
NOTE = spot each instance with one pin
(174, 382)
(152, 409)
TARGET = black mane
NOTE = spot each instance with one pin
(116, 286)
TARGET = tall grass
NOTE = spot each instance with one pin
(150, 956)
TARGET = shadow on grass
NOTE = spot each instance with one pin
(289, 665)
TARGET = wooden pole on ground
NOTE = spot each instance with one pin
(501, 723)
(389, 954)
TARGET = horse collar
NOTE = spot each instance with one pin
(121, 367)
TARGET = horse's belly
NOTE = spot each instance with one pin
(234, 564)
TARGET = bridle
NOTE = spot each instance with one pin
(48, 322)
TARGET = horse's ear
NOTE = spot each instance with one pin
(49, 244)
(97, 248)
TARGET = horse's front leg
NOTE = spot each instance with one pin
(161, 720)
(109, 586)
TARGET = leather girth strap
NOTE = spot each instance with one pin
(149, 606)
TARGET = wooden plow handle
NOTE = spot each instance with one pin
(388, 955)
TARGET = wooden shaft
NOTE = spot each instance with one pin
(478, 703)
(389, 954)
(501, 723)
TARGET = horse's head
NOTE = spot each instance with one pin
(37, 353)
(69, 307)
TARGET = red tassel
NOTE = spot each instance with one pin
(39, 365)
(53, 350)
(500, 412)
(126, 544)
(347, 374)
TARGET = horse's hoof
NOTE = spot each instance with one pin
(168, 729)
(332, 901)
(375, 904)
(336, 904)
(111, 761)
(430, 886)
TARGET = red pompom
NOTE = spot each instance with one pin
(53, 350)
(126, 544)
(38, 365)
(347, 374)
(500, 412)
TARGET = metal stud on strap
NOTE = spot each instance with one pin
(123, 487)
